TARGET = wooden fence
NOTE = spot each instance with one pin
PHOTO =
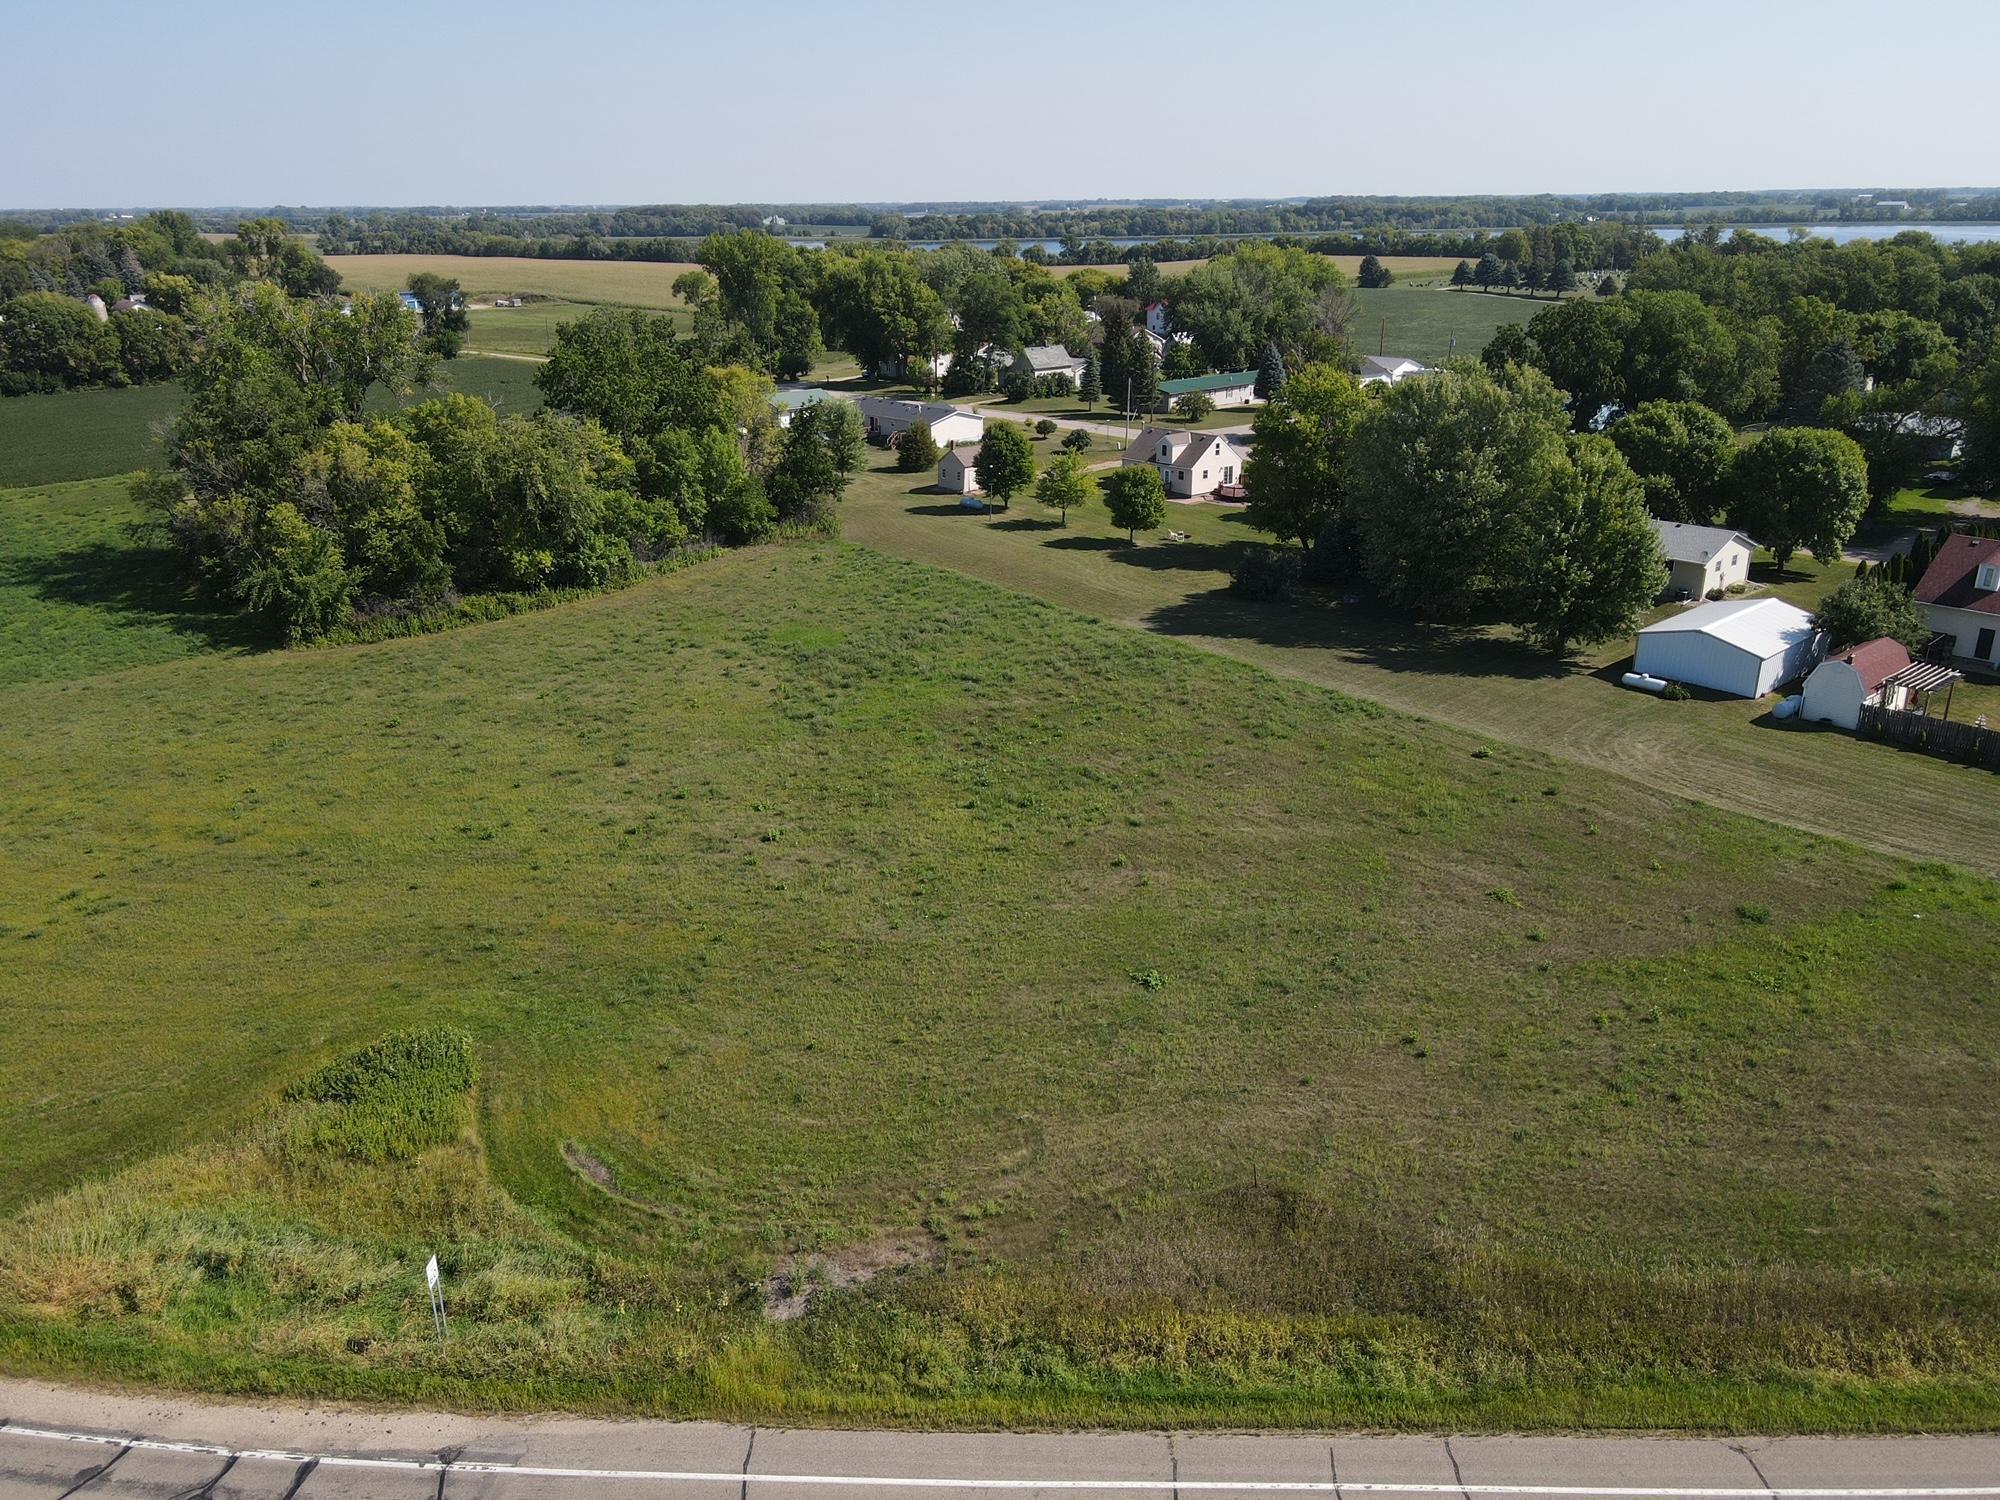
(1950, 741)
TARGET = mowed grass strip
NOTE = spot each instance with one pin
(813, 895)
(631, 283)
(87, 587)
(1725, 752)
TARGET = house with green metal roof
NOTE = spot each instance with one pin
(795, 398)
(1230, 388)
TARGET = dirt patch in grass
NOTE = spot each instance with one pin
(802, 1277)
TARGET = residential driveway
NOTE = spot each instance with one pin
(1122, 431)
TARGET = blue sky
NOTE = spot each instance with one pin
(601, 101)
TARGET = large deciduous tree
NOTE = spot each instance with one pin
(1584, 560)
(1867, 609)
(1439, 468)
(441, 308)
(1297, 474)
(1259, 293)
(1006, 461)
(1681, 452)
(1800, 487)
(1136, 498)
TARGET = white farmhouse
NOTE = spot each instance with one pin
(1745, 647)
(1960, 594)
(1190, 463)
(1701, 559)
(1388, 369)
(883, 417)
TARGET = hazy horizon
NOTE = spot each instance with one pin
(616, 102)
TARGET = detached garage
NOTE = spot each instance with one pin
(1747, 647)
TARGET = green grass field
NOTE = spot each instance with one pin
(631, 283)
(1726, 752)
(84, 589)
(87, 434)
(1431, 324)
(817, 907)
(81, 434)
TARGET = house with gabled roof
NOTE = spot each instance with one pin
(1960, 595)
(1043, 360)
(1388, 369)
(886, 417)
(1191, 464)
(1703, 559)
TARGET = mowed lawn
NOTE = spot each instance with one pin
(1726, 752)
(1431, 324)
(813, 896)
(631, 283)
(88, 434)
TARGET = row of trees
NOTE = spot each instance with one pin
(766, 304)
(1465, 495)
(291, 499)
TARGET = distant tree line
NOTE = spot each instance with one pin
(1891, 343)
(110, 305)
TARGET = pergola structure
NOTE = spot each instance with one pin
(1921, 679)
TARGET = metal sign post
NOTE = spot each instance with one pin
(434, 1284)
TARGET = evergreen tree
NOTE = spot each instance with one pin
(1562, 277)
(1092, 385)
(1271, 371)
(1117, 353)
(1487, 273)
(1373, 273)
(1144, 376)
(916, 449)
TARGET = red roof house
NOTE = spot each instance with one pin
(1960, 593)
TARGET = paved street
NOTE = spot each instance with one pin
(315, 1453)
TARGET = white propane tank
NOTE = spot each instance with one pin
(1644, 683)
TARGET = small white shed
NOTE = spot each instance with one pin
(1747, 647)
(1841, 684)
(958, 472)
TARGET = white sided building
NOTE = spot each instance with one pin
(1846, 681)
(1701, 559)
(1191, 464)
(958, 471)
(1745, 647)
(884, 417)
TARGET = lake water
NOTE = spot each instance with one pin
(1847, 234)
(1840, 234)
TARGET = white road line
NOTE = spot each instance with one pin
(1262, 1486)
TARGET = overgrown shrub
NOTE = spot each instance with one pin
(386, 1102)
(1266, 573)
